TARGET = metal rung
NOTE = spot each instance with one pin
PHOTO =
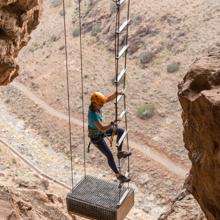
(122, 138)
(119, 97)
(120, 2)
(122, 51)
(122, 114)
(123, 197)
(125, 23)
(127, 174)
(121, 74)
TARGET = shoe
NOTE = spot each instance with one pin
(123, 179)
(123, 154)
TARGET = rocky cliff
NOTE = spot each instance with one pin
(26, 195)
(18, 19)
(30, 204)
(199, 95)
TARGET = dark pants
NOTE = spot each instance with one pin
(103, 147)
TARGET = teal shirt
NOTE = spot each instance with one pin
(94, 117)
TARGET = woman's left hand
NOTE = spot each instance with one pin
(119, 93)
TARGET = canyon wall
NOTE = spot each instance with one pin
(199, 95)
(18, 19)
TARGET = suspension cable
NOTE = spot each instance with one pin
(82, 84)
(68, 91)
(117, 63)
(125, 107)
(116, 77)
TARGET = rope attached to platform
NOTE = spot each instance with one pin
(68, 87)
(82, 85)
(68, 90)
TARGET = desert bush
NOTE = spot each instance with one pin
(146, 111)
(56, 3)
(54, 38)
(89, 6)
(146, 56)
(96, 29)
(76, 31)
(61, 12)
(113, 8)
(137, 20)
(173, 67)
(34, 47)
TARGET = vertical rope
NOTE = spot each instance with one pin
(82, 85)
(117, 39)
(68, 91)
(117, 63)
(116, 59)
(125, 107)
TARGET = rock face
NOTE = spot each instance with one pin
(199, 95)
(183, 207)
(18, 19)
(30, 204)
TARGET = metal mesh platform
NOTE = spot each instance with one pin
(97, 199)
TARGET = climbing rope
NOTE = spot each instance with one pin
(82, 85)
(125, 106)
(68, 90)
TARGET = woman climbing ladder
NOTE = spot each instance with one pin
(97, 131)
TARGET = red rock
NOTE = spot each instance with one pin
(199, 95)
(18, 19)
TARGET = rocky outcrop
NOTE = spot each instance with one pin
(18, 19)
(30, 204)
(199, 95)
(183, 207)
(25, 195)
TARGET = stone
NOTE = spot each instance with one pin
(45, 183)
(144, 179)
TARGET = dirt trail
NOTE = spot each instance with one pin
(147, 151)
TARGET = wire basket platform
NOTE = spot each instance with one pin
(101, 200)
